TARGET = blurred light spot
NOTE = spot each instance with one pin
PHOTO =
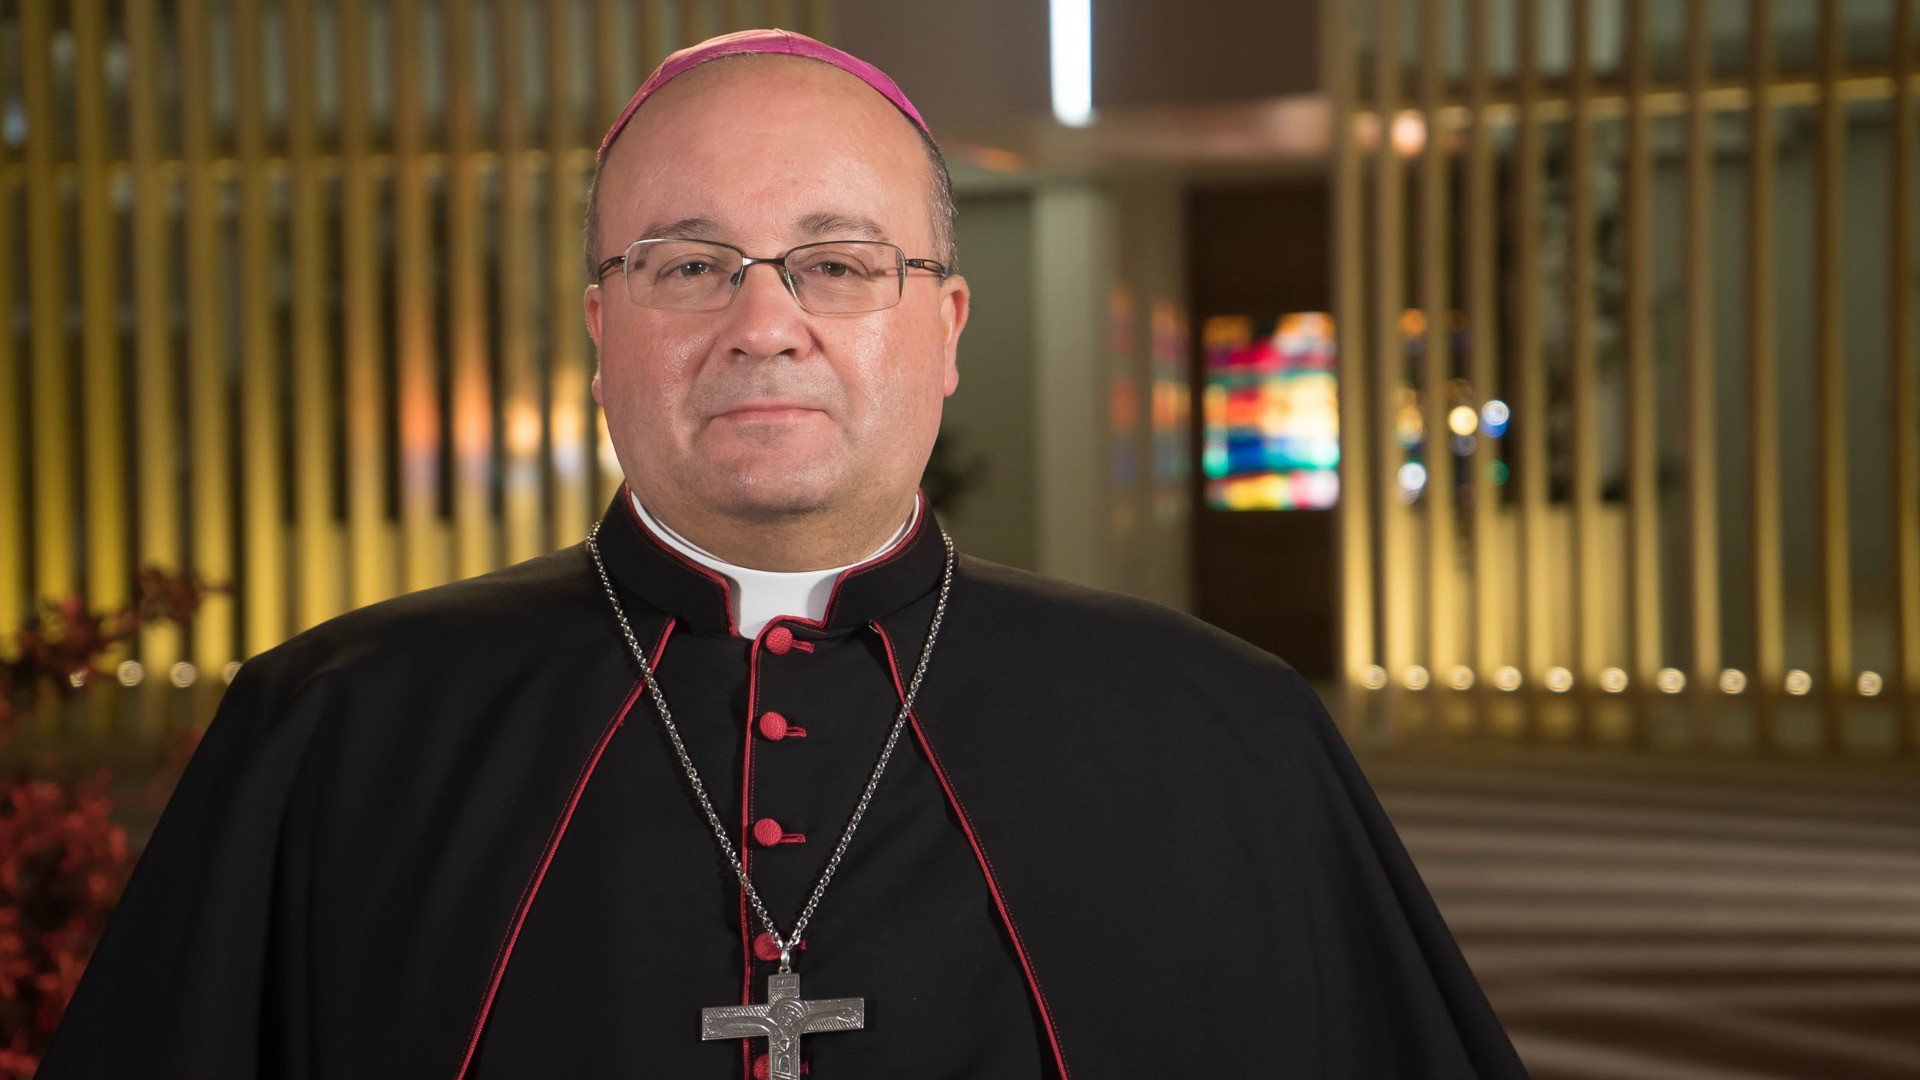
(1070, 41)
(1613, 680)
(1461, 678)
(1494, 416)
(1413, 480)
(1507, 678)
(1798, 682)
(1463, 445)
(1413, 322)
(130, 673)
(182, 674)
(1463, 420)
(1869, 684)
(1373, 677)
(1559, 680)
(78, 679)
(1671, 680)
(1499, 471)
(1409, 133)
(1733, 681)
(1417, 678)
(230, 670)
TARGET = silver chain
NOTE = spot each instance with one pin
(786, 945)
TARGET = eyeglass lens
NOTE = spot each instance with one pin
(838, 277)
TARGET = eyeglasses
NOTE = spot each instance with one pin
(835, 277)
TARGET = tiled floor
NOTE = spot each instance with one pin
(1676, 918)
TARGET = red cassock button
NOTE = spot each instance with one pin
(773, 726)
(779, 640)
(767, 832)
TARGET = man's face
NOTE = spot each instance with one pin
(764, 411)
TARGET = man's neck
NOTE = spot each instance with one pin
(793, 547)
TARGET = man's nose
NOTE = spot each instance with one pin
(764, 318)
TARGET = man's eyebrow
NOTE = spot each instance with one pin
(687, 228)
(842, 225)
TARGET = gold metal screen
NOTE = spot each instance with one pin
(291, 292)
(1625, 296)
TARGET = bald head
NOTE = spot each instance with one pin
(770, 73)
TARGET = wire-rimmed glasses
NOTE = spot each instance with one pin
(832, 277)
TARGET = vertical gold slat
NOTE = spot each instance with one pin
(569, 406)
(1763, 420)
(1703, 537)
(104, 418)
(475, 536)
(51, 406)
(519, 386)
(1390, 348)
(1830, 420)
(263, 572)
(156, 389)
(1643, 482)
(610, 91)
(1904, 380)
(317, 579)
(370, 563)
(693, 21)
(210, 429)
(1490, 641)
(1355, 518)
(1589, 651)
(819, 17)
(1530, 405)
(14, 452)
(423, 539)
(1442, 606)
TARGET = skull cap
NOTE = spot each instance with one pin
(758, 41)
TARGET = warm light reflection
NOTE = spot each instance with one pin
(182, 674)
(1671, 680)
(1559, 680)
(523, 430)
(230, 671)
(569, 456)
(130, 673)
(1613, 680)
(1409, 133)
(1417, 678)
(1733, 681)
(1463, 420)
(1869, 684)
(1373, 677)
(1461, 678)
(1798, 683)
(1507, 678)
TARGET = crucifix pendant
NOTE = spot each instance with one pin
(781, 1021)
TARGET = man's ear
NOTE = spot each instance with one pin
(956, 303)
(591, 302)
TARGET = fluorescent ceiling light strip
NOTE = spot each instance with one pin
(1070, 25)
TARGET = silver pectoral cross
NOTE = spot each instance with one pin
(782, 1020)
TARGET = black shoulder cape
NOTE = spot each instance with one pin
(385, 845)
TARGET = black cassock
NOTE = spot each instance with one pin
(445, 837)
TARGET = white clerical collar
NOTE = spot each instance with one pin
(760, 596)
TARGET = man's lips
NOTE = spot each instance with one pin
(767, 411)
